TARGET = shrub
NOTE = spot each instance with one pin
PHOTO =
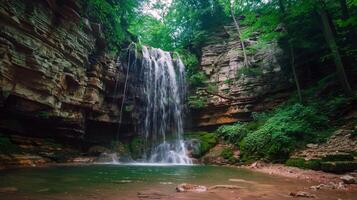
(233, 133)
(289, 127)
(197, 79)
(197, 101)
(227, 153)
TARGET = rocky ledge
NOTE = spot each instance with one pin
(233, 90)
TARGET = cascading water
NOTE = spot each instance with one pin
(162, 92)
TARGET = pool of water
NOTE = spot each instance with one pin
(131, 181)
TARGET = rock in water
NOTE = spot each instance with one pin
(302, 194)
(185, 187)
(347, 179)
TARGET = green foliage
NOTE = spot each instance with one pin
(290, 127)
(114, 16)
(227, 153)
(249, 72)
(197, 101)
(233, 133)
(152, 32)
(212, 88)
(197, 79)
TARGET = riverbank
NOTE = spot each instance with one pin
(328, 180)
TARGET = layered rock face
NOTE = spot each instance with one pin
(234, 90)
(54, 79)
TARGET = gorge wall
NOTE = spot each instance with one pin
(56, 80)
(235, 91)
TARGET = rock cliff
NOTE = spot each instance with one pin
(234, 91)
(55, 78)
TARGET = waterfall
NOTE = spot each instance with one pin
(163, 93)
(160, 93)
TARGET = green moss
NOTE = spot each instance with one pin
(43, 115)
(338, 157)
(136, 148)
(296, 162)
(206, 141)
(304, 164)
(313, 164)
(339, 167)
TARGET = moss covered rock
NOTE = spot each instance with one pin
(339, 166)
(338, 157)
(206, 141)
(136, 148)
(304, 164)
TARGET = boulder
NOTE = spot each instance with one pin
(347, 179)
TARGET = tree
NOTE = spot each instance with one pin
(232, 4)
(291, 50)
(331, 41)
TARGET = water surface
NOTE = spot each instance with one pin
(130, 182)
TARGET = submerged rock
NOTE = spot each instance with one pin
(329, 186)
(185, 187)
